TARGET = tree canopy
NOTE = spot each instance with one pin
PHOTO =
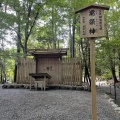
(28, 24)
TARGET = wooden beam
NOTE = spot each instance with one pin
(93, 85)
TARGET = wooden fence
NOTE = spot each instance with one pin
(24, 67)
(70, 71)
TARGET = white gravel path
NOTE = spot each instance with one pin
(23, 104)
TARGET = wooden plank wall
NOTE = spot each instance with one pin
(24, 67)
(50, 66)
(71, 72)
(67, 72)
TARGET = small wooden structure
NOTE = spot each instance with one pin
(64, 72)
(40, 83)
(47, 66)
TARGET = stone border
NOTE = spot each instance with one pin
(27, 86)
(111, 101)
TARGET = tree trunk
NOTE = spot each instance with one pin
(115, 92)
(53, 27)
(114, 75)
(73, 37)
(4, 71)
(25, 49)
(119, 64)
(70, 43)
(112, 66)
(16, 62)
(19, 45)
(15, 73)
(86, 67)
(119, 70)
(1, 75)
(87, 74)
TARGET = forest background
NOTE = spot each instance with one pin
(47, 24)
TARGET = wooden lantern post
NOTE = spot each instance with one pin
(92, 26)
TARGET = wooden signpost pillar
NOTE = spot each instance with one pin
(91, 27)
(93, 86)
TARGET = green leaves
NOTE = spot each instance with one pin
(48, 24)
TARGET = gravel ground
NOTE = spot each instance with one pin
(23, 104)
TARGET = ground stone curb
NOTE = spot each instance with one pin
(111, 101)
(117, 109)
(114, 105)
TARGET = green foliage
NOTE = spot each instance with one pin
(106, 75)
(10, 69)
(53, 28)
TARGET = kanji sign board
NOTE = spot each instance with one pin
(92, 21)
